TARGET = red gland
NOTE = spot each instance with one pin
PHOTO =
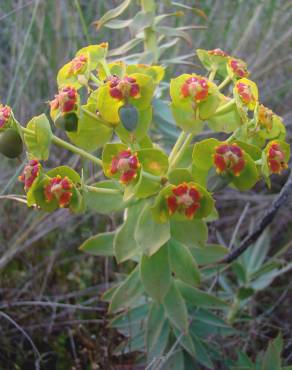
(229, 158)
(276, 158)
(238, 67)
(126, 164)
(185, 199)
(30, 173)
(66, 100)
(123, 88)
(195, 87)
(77, 64)
(245, 93)
(60, 189)
(265, 117)
(5, 113)
(218, 52)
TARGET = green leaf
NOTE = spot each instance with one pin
(175, 308)
(92, 132)
(125, 245)
(105, 203)
(272, 358)
(248, 176)
(186, 342)
(155, 274)
(183, 264)
(198, 298)
(186, 118)
(149, 234)
(208, 107)
(203, 153)
(174, 362)
(100, 244)
(179, 175)
(109, 152)
(141, 21)
(210, 254)
(113, 13)
(146, 90)
(190, 233)
(154, 161)
(127, 293)
(157, 332)
(108, 107)
(39, 143)
(202, 353)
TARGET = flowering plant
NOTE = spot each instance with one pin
(167, 198)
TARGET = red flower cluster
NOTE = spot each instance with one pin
(195, 87)
(60, 189)
(123, 88)
(30, 173)
(218, 52)
(65, 100)
(229, 158)
(77, 64)
(238, 67)
(265, 117)
(126, 164)
(5, 113)
(245, 93)
(276, 158)
(185, 199)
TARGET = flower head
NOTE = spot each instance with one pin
(30, 173)
(217, 52)
(276, 158)
(66, 100)
(229, 158)
(195, 87)
(265, 117)
(245, 93)
(5, 113)
(125, 164)
(59, 189)
(121, 88)
(238, 67)
(185, 199)
(78, 64)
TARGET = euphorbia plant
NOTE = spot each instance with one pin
(167, 198)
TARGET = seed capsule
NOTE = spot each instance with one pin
(10, 143)
(129, 117)
(68, 122)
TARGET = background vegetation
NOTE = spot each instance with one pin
(49, 290)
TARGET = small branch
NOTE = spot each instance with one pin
(224, 83)
(265, 221)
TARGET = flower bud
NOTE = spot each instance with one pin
(218, 52)
(228, 158)
(195, 87)
(276, 158)
(185, 199)
(124, 88)
(265, 117)
(5, 114)
(246, 91)
(125, 164)
(238, 67)
(30, 173)
(59, 189)
(78, 65)
(66, 100)
(10, 143)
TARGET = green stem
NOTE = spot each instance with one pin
(150, 37)
(82, 20)
(182, 150)
(106, 68)
(69, 147)
(233, 136)
(226, 107)
(177, 145)
(95, 79)
(151, 177)
(212, 74)
(224, 83)
(102, 190)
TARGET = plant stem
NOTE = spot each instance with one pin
(151, 177)
(182, 150)
(226, 107)
(224, 83)
(69, 147)
(102, 190)
(150, 38)
(105, 67)
(95, 79)
(212, 74)
(82, 20)
(177, 145)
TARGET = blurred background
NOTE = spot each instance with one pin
(50, 291)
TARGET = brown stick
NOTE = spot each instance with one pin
(265, 221)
